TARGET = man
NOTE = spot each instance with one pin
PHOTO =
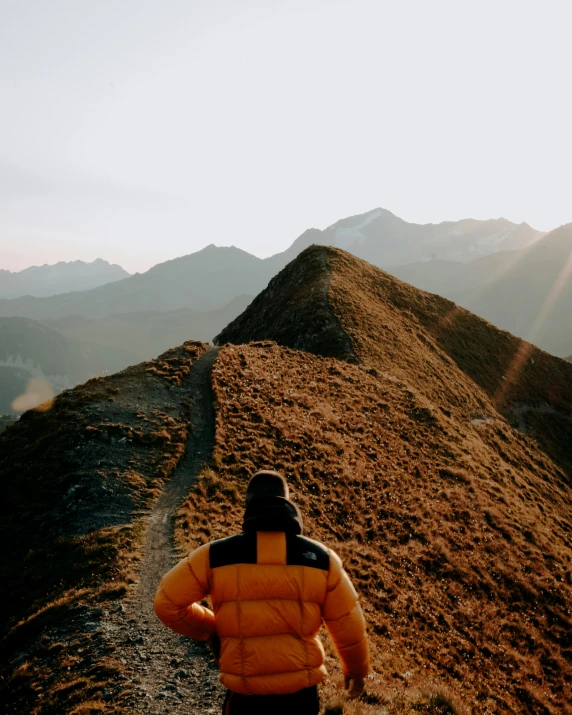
(271, 589)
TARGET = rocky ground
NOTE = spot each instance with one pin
(167, 673)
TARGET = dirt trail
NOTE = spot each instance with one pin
(171, 674)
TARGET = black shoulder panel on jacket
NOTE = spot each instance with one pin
(239, 549)
(304, 552)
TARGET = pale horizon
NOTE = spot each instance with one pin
(138, 132)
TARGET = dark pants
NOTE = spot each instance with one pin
(303, 702)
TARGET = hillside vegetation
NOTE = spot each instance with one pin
(335, 305)
(428, 448)
(78, 475)
(455, 525)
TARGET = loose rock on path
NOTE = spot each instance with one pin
(172, 674)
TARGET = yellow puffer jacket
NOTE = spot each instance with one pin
(270, 588)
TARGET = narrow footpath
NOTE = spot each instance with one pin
(172, 674)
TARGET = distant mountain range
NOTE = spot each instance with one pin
(210, 278)
(525, 289)
(385, 240)
(206, 280)
(42, 281)
(123, 339)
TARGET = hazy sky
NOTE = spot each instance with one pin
(141, 130)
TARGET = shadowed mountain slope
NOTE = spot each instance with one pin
(294, 310)
(528, 292)
(77, 476)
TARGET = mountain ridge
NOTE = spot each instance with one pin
(437, 314)
(165, 287)
(156, 285)
(452, 516)
(61, 277)
(209, 280)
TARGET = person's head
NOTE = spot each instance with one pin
(267, 484)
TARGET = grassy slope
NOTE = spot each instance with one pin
(454, 525)
(77, 474)
(330, 303)
(412, 334)
(461, 553)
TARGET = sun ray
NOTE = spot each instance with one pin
(446, 321)
(526, 347)
(552, 297)
(511, 374)
(498, 274)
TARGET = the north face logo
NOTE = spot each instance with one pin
(310, 555)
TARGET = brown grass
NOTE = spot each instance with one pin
(399, 698)
(456, 536)
(447, 353)
(76, 474)
(332, 304)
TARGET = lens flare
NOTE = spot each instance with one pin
(37, 392)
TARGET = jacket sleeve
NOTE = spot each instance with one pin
(180, 589)
(344, 620)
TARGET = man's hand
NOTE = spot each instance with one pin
(213, 642)
(354, 686)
